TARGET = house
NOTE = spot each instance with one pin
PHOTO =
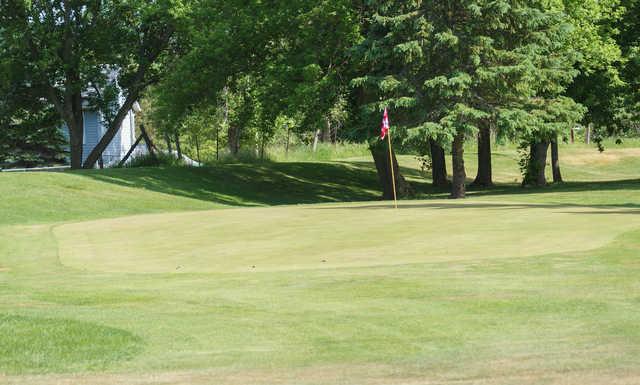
(95, 127)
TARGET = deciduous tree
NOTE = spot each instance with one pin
(97, 54)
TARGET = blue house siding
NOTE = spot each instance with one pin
(113, 152)
(94, 129)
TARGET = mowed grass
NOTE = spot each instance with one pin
(144, 280)
(335, 236)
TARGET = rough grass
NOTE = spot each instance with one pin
(52, 344)
(510, 287)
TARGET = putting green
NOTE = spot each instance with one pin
(330, 236)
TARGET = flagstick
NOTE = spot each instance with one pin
(393, 177)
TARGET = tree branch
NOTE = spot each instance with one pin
(138, 84)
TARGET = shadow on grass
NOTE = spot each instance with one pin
(515, 189)
(250, 184)
(267, 183)
(606, 209)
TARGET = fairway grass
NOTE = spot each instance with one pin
(146, 281)
(534, 310)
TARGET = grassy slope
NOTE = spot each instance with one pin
(549, 309)
(50, 197)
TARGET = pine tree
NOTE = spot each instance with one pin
(458, 67)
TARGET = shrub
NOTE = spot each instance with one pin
(160, 160)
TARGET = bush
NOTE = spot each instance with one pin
(324, 152)
(160, 160)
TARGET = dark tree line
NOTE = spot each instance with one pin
(450, 72)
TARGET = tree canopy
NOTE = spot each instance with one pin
(239, 74)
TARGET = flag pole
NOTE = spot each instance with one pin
(393, 177)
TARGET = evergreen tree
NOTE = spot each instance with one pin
(29, 127)
(458, 67)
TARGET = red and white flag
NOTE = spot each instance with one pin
(384, 127)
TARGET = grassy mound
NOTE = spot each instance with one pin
(49, 197)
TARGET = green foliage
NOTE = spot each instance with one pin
(158, 160)
(263, 73)
(629, 41)
(245, 77)
(324, 152)
(75, 54)
(29, 127)
(446, 71)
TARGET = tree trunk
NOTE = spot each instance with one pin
(438, 165)
(168, 139)
(587, 134)
(458, 188)
(76, 134)
(326, 133)
(197, 148)
(555, 161)
(233, 134)
(535, 172)
(217, 142)
(76, 128)
(147, 141)
(178, 148)
(263, 141)
(233, 138)
(484, 177)
(286, 148)
(380, 153)
(316, 138)
(112, 130)
(131, 149)
(138, 83)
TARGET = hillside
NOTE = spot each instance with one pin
(46, 197)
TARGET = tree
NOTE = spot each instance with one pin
(263, 61)
(629, 41)
(98, 54)
(543, 120)
(484, 176)
(598, 85)
(29, 134)
(456, 68)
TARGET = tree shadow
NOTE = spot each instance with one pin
(573, 186)
(458, 205)
(245, 184)
(270, 183)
